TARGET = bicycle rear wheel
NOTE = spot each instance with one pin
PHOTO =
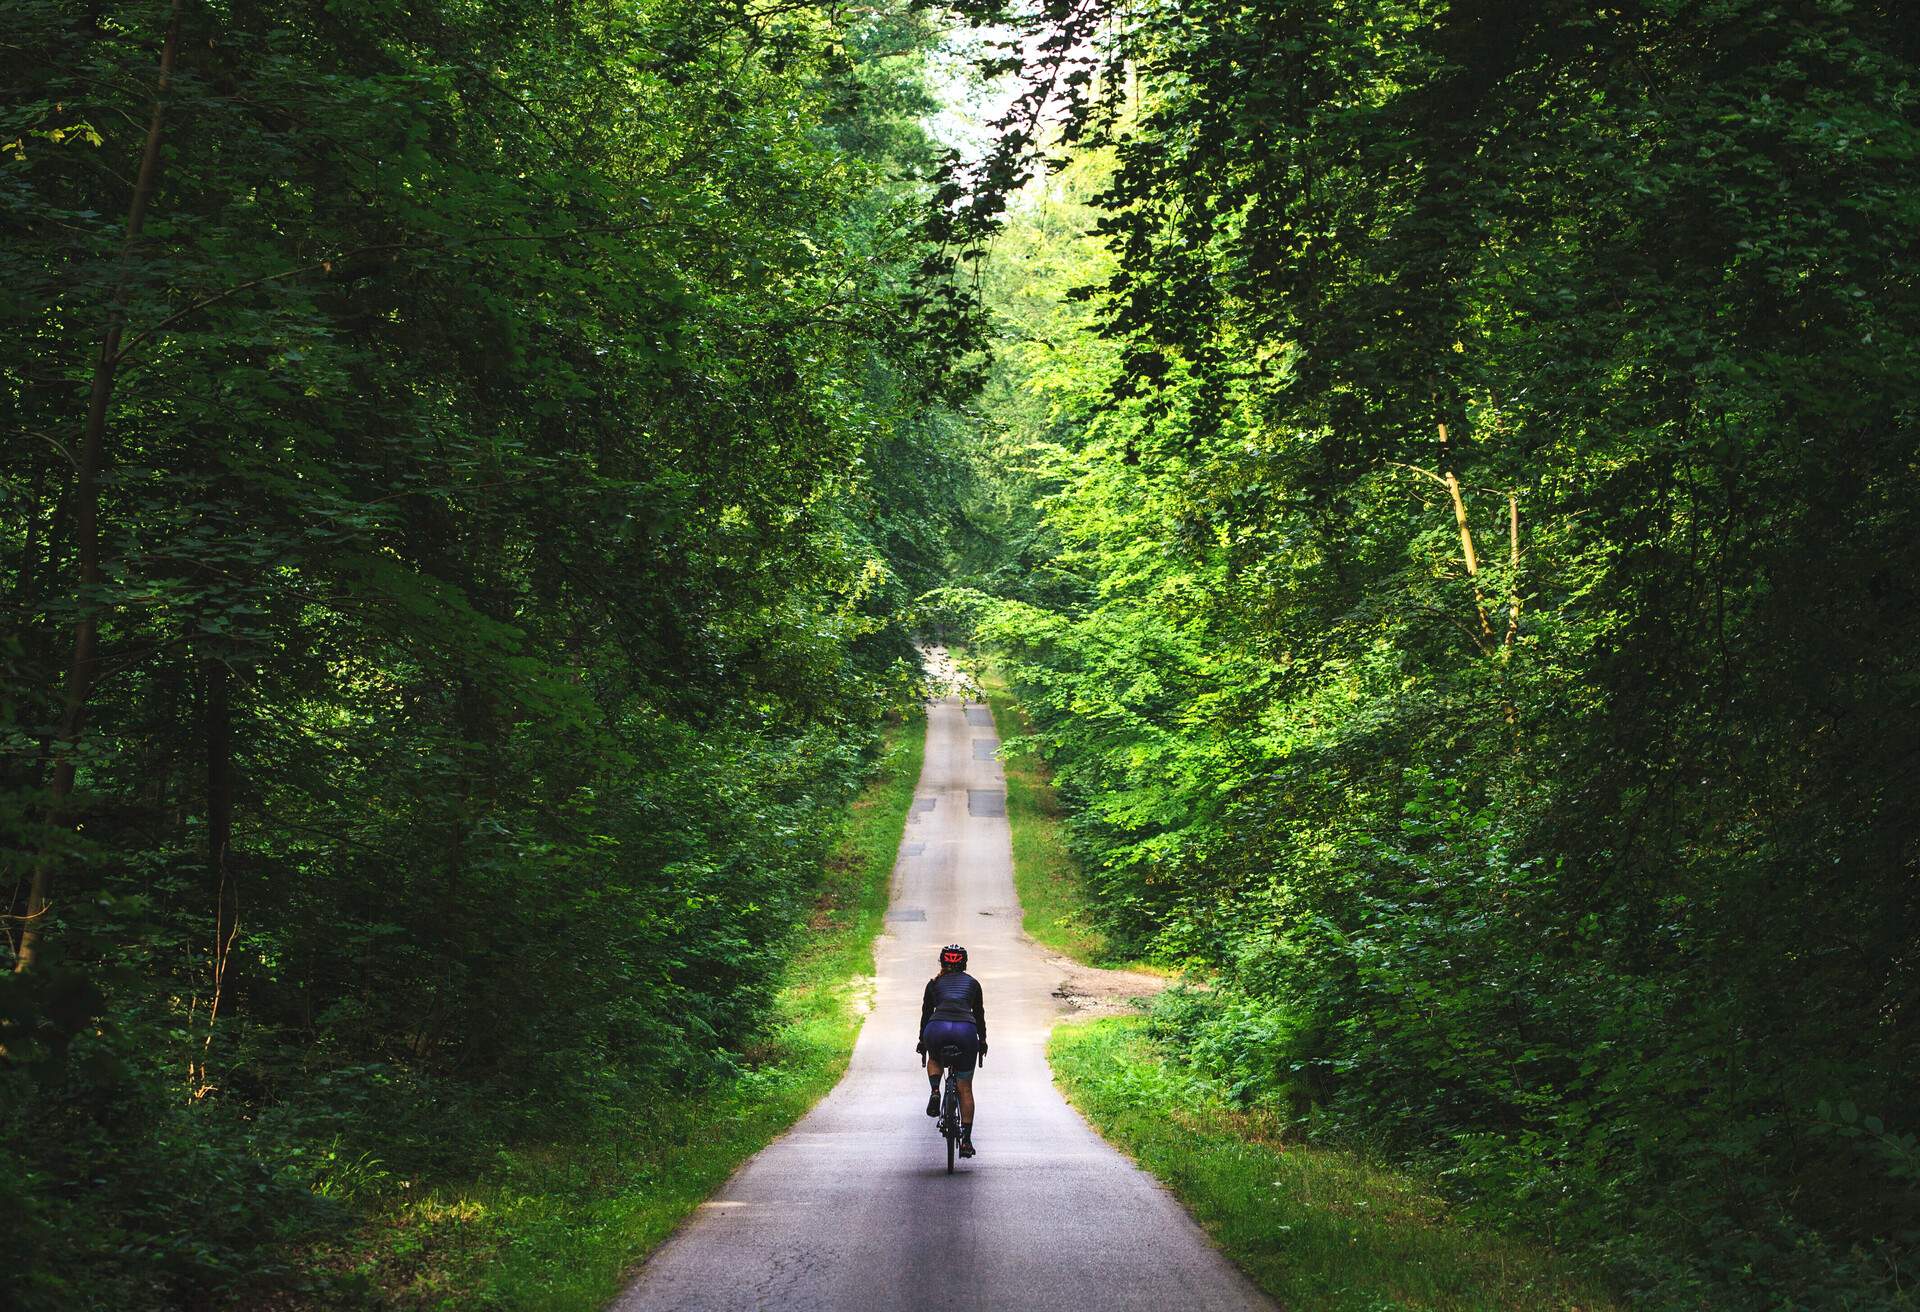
(950, 1118)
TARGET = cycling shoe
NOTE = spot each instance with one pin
(933, 1104)
(966, 1147)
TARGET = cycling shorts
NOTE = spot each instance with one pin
(962, 1035)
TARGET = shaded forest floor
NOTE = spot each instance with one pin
(558, 1226)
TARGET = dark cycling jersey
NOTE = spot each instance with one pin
(954, 995)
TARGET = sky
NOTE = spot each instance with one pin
(969, 106)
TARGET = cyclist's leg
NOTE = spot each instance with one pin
(934, 1071)
(963, 1070)
(965, 1081)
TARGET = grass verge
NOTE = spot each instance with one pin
(1055, 901)
(558, 1227)
(1319, 1229)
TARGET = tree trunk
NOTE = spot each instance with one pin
(1513, 569)
(1467, 552)
(86, 507)
(219, 738)
(217, 728)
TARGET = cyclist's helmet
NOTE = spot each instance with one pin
(953, 957)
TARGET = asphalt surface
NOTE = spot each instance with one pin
(853, 1208)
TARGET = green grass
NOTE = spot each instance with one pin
(1319, 1229)
(1055, 901)
(560, 1227)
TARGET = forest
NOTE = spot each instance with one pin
(1438, 475)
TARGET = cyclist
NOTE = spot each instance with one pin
(954, 1011)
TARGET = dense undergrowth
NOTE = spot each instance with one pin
(555, 1224)
(1321, 1229)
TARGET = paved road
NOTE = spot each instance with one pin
(853, 1208)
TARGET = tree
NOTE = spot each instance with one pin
(1483, 646)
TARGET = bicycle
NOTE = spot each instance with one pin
(949, 1122)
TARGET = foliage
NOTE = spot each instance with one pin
(513, 466)
(1056, 906)
(559, 1224)
(1470, 607)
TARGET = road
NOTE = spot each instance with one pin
(853, 1210)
